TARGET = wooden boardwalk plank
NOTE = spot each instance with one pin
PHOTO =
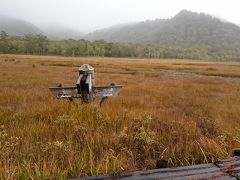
(223, 170)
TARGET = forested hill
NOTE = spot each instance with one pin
(17, 27)
(186, 30)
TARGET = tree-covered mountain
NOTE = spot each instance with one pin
(17, 27)
(186, 30)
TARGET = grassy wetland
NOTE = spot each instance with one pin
(186, 112)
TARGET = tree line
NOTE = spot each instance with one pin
(41, 45)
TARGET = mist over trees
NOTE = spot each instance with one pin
(17, 27)
(41, 45)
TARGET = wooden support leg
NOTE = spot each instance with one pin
(102, 101)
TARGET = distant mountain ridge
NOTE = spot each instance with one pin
(185, 30)
(18, 27)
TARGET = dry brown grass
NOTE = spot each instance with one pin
(184, 119)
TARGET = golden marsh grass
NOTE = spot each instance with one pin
(185, 119)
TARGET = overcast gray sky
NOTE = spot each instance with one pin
(88, 15)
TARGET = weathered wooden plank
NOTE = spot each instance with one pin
(203, 171)
(223, 170)
(230, 166)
